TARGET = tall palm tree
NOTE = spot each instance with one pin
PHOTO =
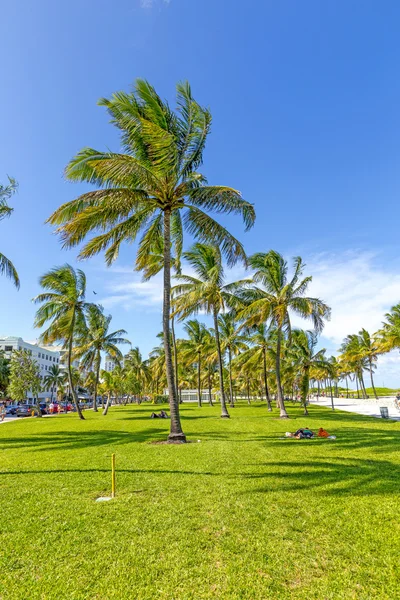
(55, 378)
(134, 363)
(261, 351)
(306, 359)
(108, 384)
(209, 292)
(353, 354)
(95, 339)
(388, 337)
(4, 372)
(154, 188)
(194, 348)
(233, 341)
(273, 296)
(63, 308)
(6, 266)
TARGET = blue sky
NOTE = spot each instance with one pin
(304, 98)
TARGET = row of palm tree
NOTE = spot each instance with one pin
(153, 190)
(82, 327)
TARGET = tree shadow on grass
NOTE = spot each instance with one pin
(341, 477)
(102, 470)
(70, 440)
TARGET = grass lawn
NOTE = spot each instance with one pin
(241, 515)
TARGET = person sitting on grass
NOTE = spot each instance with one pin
(322, 433)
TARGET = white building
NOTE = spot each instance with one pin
(110, 364)
(63, 356)
(43, 356)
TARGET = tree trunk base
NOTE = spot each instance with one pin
(284, 416)
(225, 416)
(177, 438)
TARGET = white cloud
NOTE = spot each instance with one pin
(149, 4)
(357, 289)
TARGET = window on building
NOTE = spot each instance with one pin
(8, 348)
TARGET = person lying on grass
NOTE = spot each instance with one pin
(160, 415)
(308, 434)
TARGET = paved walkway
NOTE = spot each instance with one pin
(368, 407)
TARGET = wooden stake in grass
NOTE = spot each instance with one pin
(113, 476)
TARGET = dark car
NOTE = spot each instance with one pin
(24, 410)
(28, 410)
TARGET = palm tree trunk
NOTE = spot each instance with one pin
(199, 380)
(105, 411)
(347, 387)
(372, 378)
(365, 395)
(248, 391)
(224, 410)
(358, 391)
(279, 395)
(266, 380)
(69, 370)
(175, 355)
(209, 388)
(331, 386)
(232, 404)
(96, 380)
(176, 434)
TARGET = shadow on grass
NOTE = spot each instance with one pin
(68, 440)
(353, 477)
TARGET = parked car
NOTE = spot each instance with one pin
(28, 410)
(11, 410)
(24, 410)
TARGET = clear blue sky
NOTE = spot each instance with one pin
(305, 101)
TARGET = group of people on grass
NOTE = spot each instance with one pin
(307, 434)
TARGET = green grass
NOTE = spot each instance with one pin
(241, 515)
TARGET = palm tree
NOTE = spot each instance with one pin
(209, 292)
(262, 339)
(135, 364)
(146, 189)
(55, 378)
(388, 337)
(194, 348)
(306, 360)
(63, 307)
(4, 372)
(273, 297)
(108, 384)
(233, 342)
(94, 340)
(6, 266)
(353, 354)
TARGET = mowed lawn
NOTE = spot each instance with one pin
(240, 514)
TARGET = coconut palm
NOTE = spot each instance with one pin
(194, 348)
(135, 364)
(370, 348)
(4, 372)
(63, 308)
(209, 292)
(6, 266)
(233, 341)
(95, 339)
(353, 354)
(55, 379)
(306, 359)
(388, 337)
(273, 296)
(261, 352)
(108, 387)
(154, 188)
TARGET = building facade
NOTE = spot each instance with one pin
(43, 356)
(109, 364)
